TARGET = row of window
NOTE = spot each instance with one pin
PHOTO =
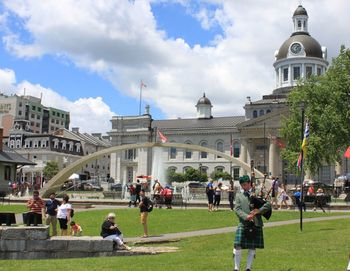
(205, 170)
(58, 114)
(261, 112)
(57, 121)
(98, 166)
(296, 72)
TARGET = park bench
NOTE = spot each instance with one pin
(7, 218)
(178, 200)
(309, 201)
(112, 194)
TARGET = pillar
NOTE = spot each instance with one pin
(273, 159)
(243, 155)
(338, 169)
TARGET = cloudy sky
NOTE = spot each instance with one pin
(88, 56)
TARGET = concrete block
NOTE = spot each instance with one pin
(13, 233)
(25, 233)
(101, 246)
(36, 245)
(37, 233)
(57, 245)
(79, 245)
(12, 245)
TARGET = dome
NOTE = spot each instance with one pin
(300, 11)
(311, 46)
(204, 101)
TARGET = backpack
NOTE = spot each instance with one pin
(71, 212)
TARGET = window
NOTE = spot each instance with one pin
(32, 116)
(255, 114)
(58, 114)
(296, 73)
(57, 122)
(38, 117)
(268, 111)
(39, 109)
(219, 169)
(53, 113)
(285, 74)
(37, 124)
(20, 104)
(261, 147)
(18, 143)
(220, 147)
(319, 71)
(33, 107)
(236, 173)
(130, 154)
(299, 24)
(31, 123)
(236, 149)
(204, 170)
(308, 71)
(20, 112)
(172, 153)
(185, 169)
(172, 169)
(204, 155)
(261, 112)
(188, 154)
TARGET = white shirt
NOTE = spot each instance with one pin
(62, 210)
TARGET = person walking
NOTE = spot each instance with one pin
(249, 233)
(51, 206)
(35, 206)
(217, 196)
(231, 194)
(145, 207)
(284, 197)
(64, 215)
(274, 192)
(210, 195)
(138, 188)
(110, 231)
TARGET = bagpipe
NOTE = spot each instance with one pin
(257, 203)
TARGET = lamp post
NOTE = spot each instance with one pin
(302, 105)
(200, 168)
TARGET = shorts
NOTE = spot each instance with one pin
(144, 216)
(63, 223)
(210, 198)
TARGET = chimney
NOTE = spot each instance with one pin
(1, 138)
(75, 130)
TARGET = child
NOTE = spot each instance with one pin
(75, 229)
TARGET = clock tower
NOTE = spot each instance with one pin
(300, 56)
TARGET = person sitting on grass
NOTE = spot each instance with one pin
(111, 231)
(75, 229)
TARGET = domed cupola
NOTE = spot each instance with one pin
(204, 108)
(300, 56)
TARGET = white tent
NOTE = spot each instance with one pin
(74, 176)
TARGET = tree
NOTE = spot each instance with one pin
(326, 101)
(194, 175)
(172, 176)
(224, 175)
(51, 169)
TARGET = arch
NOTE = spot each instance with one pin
(219, 146)
(64, 174)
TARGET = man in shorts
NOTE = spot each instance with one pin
(144, 209)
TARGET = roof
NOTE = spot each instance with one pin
(93, 140)
(311, 46)
(204, 100)
(268, 101)
(8, 155)
(300, 11)
(182, 124)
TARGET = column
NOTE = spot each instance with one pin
(243, 155)
(338, 169)
(273, 159)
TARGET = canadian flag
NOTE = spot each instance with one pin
(347, 153)
(162, 137)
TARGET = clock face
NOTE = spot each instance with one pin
(295, 48)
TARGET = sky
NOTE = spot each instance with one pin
(88, 56)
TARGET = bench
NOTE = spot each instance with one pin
(178, 200)
(112, 194)
(309, 201)
(7, 218)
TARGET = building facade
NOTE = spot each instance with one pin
(28, 113)
(253, 137)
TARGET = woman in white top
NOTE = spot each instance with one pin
(63, 215)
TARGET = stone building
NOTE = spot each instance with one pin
(253, 137)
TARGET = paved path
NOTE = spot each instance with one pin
(181, 235)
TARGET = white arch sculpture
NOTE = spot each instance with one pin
(64, 174)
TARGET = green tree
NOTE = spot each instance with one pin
(224, 175)
(326, 101)
(51, 169)
(172, 176)
(194, 175)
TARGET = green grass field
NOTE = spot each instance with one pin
(323, 246)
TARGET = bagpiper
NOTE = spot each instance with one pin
(249, 233)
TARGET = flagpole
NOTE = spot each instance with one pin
(231, 153)
(140, 98)
(302, 170)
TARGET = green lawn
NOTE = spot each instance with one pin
(322, 246)
(164, 221)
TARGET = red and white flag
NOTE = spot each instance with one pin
(347, 153)
(162, 137)
(142, 84)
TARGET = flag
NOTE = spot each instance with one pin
(280, 144)
(305, 140)
(143, 85)
(347, 153)
(300, 160)
(162, 137)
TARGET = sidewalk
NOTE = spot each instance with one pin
(181, 235)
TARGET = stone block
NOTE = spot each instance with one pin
(25, 233)
(37, 233)
(57, 245)
(13, 233)
(36, 245)
(12, 245)
(101, 246)
(79, 245)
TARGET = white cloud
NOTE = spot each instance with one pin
(90, 114)
(119, 39)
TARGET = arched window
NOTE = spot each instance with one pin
(261, 112)
(255, 114)
(220, 147)
(188, 153)
(185, 169)
(236, 149)
(219, 169)
(18, 144)
(268, 111)
(172, 153)
(204, 170)
(172, 169)
(12, 144)
(204, 155)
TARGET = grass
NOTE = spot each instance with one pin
(163, 221)
(322, 246)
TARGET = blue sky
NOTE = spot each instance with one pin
(63, 76)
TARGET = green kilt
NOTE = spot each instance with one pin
(244, 243)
